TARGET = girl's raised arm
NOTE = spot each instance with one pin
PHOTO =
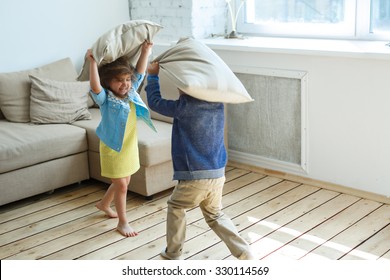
(94, 79)
(142, 62)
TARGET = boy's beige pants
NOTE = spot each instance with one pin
(207, 193)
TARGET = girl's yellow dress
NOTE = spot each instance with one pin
(126, 162)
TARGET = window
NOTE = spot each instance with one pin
(347, 19)
(380, 16)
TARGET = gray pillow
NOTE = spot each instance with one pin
(57, 101)
(124, 39)
(15, 87)
(198, 71)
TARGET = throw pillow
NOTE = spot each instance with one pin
(91, 103)
(15, 87)
(124, 39)
(198, 71)
(57, 101)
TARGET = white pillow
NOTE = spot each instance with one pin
(57, 101)
(198, 71)
(124, 39)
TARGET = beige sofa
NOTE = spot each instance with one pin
(36, 158)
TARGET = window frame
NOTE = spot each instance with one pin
(358, 26)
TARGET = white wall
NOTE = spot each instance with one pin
(348, 115)
(36, 32)
(182, 18)
(348, 112)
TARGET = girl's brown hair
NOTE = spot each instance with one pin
(114, 69)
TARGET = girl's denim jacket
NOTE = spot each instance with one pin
(112, 126)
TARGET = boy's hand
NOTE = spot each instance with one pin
(153, 68)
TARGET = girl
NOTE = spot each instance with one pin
(113, 87)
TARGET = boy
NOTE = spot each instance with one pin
(199, 159)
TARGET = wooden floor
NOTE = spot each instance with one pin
(281, 219)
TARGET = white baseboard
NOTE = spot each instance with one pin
(266, 163)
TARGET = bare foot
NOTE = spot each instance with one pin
(126, 230)
(109, 212)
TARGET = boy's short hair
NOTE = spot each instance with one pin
(109, 71)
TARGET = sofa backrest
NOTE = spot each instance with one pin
(15, 87)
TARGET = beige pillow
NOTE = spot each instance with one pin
(15, 87)
(198, 71)
(124, 39)
(57, 101)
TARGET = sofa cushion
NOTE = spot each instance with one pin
(198, 71)
(57, 101)
(90, 127)
(154, 148)
(124, 39)
(26, 144)
(15, 87)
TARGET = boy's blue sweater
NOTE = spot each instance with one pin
(198, 149)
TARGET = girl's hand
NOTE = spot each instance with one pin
(89, 55)
(147, 47)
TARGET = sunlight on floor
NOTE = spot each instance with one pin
(264, 245)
